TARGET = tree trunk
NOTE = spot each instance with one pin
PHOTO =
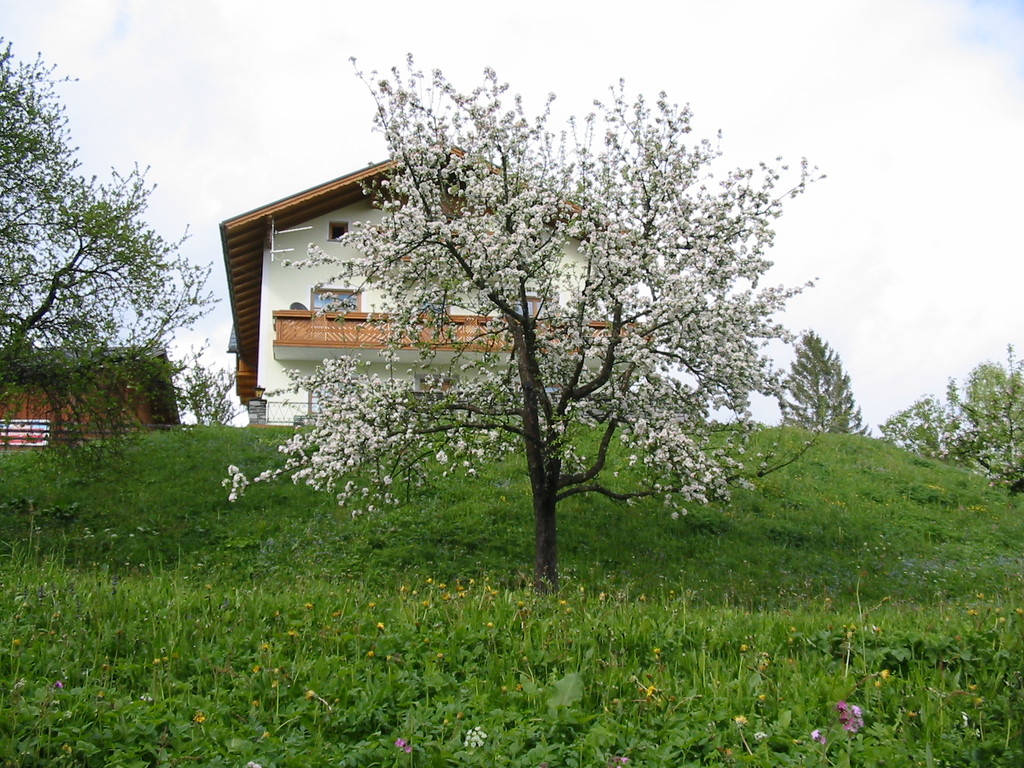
(544, 474)
(545, 566)
(544, 469)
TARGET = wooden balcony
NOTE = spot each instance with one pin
(307, 335)
(306, 329)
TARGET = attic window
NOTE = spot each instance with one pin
(336, 229)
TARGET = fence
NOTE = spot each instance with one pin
(24, 433)
(279, 413)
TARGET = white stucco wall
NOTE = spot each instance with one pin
(285, 285)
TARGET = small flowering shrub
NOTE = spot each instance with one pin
(174, 670)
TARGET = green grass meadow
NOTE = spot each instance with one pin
(147, 621)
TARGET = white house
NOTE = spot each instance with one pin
(280, 325)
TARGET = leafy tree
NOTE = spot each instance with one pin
(81, 273)
(818, 395)
(205, 394)
(980, 426)
(919, 428)
(620, 282)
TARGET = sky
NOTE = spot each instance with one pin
(913, 109)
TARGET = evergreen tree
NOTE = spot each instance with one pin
(818, 395)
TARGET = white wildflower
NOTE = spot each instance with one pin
(475, 737)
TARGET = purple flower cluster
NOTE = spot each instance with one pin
(403, 745)
(850, 716)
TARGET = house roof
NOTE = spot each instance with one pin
(244, 238)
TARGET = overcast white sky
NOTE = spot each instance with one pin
(913, 108)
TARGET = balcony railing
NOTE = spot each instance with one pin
(354, 330)
(298, 329)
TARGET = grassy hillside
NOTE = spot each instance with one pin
(853, 518)
(145, 621)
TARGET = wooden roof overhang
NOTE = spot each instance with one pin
(244, 240)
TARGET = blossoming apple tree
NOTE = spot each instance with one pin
(618, 284)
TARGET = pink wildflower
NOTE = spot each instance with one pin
(850, 716)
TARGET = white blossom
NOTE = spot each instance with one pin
(475, 737)
(645, 268)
